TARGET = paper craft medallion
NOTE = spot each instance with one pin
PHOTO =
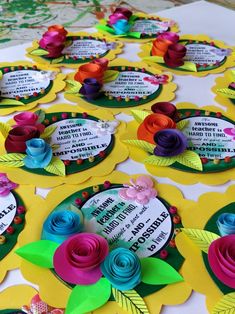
(15, 201)
(197, 55)
(131, 26)
(74, 48)
(185, 143)
(24, 85)
(118, 85)
(115, 220)
(207, 243)
(60, 145)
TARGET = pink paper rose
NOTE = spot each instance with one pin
(6, 185)
(53, 42)
(28, 118)
(77, 260)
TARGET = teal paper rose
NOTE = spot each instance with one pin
(122, 268)
(39, 153)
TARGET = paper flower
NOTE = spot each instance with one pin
(60, 225)
(226, 224)
(77, 260)
(162, 42)
(103, 62)
(89, 70)
(28, 118)
(153, 123)
(6, 185)
(222, 52)
(230, 131)
(91, 88)
(221, 257)
(105, 127)
(41, 76)
(165, 108)
(174, 55)
(170, 142)
(119, 14)
(121, 27)
(17, 137)
(39, 154)
(37, 306)
(122, 268)
(170, 36)
(141, 190)
(157, 79)
(57, 28)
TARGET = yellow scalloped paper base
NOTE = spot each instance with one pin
(167, 93)
(194, 271)
(118, 154)
(58, 85)
(223, 82)
(174, 28)
(110, 55)
(230, 62)
(17, 296)
(182, 177)
(11, 260)
(52, 291)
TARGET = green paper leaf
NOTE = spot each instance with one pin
(84, 299)
(133, 18)
(74, 87)
(157, 272)
(226, 92)
(39, 52)
(39, 252)
(110, 75)
(57, 60)
(4, 129)
(190, 159)
(226, 304)
(11, 102)
(139, 115)
(188, 66)
(41, 115)
(154, 59)
(201, 238)
(1, 75)
(182, 124)
(159, 161)
(48, 131)
(232, 75)
(130, 301)
(12, 157)
(54, 146)
(105, 28)
(68, 42)
(56, 166)
(134, 34)
(147, 147)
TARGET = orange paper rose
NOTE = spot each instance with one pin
(152, 124)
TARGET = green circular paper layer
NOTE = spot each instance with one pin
(11, 311)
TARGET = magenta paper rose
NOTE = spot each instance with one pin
(53, 42)
(141, 190)
(28, 118)
(77, 260)
(221, 257)
(6, 185)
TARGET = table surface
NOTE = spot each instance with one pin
(195, 18)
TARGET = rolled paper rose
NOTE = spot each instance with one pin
(103, 62)
(17, 137)
(160, 46)
(28, 118)
(153, 123)
(60, 225)
(165, 108)
(57, 28)
(91, 88)
(174, 55)
(226, 224)
(77, 260)
(122, 268)
(221, 257)
(39, 153)
(89, 70)
(53, 42)
(126, 12)
(170, 142)
(6, 185)
(121, 27)
(113, 18)
(170, 36)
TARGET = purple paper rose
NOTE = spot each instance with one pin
(170, 142)
(91, 88)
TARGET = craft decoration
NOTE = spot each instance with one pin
(207, 243)
(129, 26)
(119, 85)
(60, 145)
(12, 221)
(24, 85)
(225, 89)
(197, 55)
(60, 48)
(198, 142)
(127, 235)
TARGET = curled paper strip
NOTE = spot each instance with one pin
(226, 224)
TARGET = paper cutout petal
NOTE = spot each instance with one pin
(39, 253)
(158, 272)
(147, 147)
(160, 161)
(4, 129)
(139, 115)
(225, 305)
(48, 131)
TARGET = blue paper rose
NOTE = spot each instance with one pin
(121, 27)
(39, 153)
(226, 224)
(60, 225)
(122, 268)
